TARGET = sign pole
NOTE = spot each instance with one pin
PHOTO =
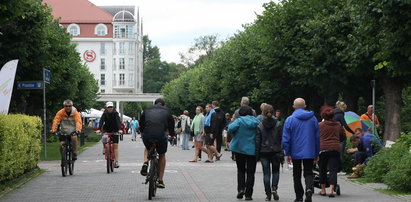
(373, 108)
(45, 120)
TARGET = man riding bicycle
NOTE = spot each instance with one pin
(155, 123)
(70, 121)
(110, 123)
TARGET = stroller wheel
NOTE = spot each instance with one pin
(338, 189)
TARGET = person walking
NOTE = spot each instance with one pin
(244, 130)
(210, 137)
(218, 123)
(269, 150)
(185, 126)
(134, 126)
(197, 126)
(331, 135)
(301, 143)
(340, 109)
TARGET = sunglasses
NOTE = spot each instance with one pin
(67, 105)
(109, 107)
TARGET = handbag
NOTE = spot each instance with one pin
(187, 127)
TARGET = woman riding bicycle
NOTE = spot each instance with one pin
(110, 123)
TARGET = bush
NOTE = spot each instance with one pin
(399, 177)
(380, 164)
(20, 144)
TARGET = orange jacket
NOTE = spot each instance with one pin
(69, 123)
(368, 118)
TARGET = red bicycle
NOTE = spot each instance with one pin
(109, 152)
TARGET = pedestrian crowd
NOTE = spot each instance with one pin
(300, 139)
(305, 143)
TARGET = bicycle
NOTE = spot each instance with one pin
(67, 162)
(109, 152)
(153, 172)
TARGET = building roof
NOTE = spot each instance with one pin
(78, 11)
(115, 9)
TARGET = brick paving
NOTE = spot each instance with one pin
(184, 181)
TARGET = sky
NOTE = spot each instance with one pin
(172, 25)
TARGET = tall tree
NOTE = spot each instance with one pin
(149, 52)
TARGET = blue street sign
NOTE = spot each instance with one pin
(47, 76)
(29, 85)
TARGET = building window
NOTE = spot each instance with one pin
(123, 31)
(131, 48)
(102, 63)
(131, 63)
(102, 79)
(74, 29)
(131, 79)
(102, 91)
(121, 80)
(114, 64)
(122, 63)
(100, 30)
(122, 48)
(102, 48)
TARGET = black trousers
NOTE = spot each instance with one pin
(246, 165)
(308, 176)
(219, 139)
(358, 157)
(329, 161)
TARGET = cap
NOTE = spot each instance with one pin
(109, 104)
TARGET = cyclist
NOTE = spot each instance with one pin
(110, 123)
(155, 123)
(70, 121)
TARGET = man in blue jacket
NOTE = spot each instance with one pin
(301, 143)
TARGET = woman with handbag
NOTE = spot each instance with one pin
(197, 127)
(185, 126)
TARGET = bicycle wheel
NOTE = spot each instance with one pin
(70, 162)
(108, 155)
(64, 162)
(152, 183)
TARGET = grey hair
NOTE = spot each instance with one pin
(245, 101)
(68, 102)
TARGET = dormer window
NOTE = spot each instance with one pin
(101, 30)
(74, 29)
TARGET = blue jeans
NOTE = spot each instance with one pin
(274, 162)
(133, 133)
(186, 138)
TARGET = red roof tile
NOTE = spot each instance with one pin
(78, 11)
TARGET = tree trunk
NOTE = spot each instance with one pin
(392, 92)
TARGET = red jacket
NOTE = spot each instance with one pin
(331, 134)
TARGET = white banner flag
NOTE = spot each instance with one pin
(7, 75)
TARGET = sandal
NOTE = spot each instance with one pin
(331, 196)
(192, 161)
(208, 161)
(322, 194)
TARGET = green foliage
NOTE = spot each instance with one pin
(19, 146)
(392, 165)
(399, 177)
(32, 36)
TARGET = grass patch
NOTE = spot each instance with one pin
(53, 152)
(392, 192)
(18, 182)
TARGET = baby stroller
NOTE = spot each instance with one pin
(317, 184)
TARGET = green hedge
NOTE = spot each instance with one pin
(20, 144)
(392, 166)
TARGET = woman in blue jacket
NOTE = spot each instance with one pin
(244, 131)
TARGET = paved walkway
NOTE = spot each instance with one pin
(184, 181)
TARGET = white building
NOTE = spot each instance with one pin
(109, 40)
